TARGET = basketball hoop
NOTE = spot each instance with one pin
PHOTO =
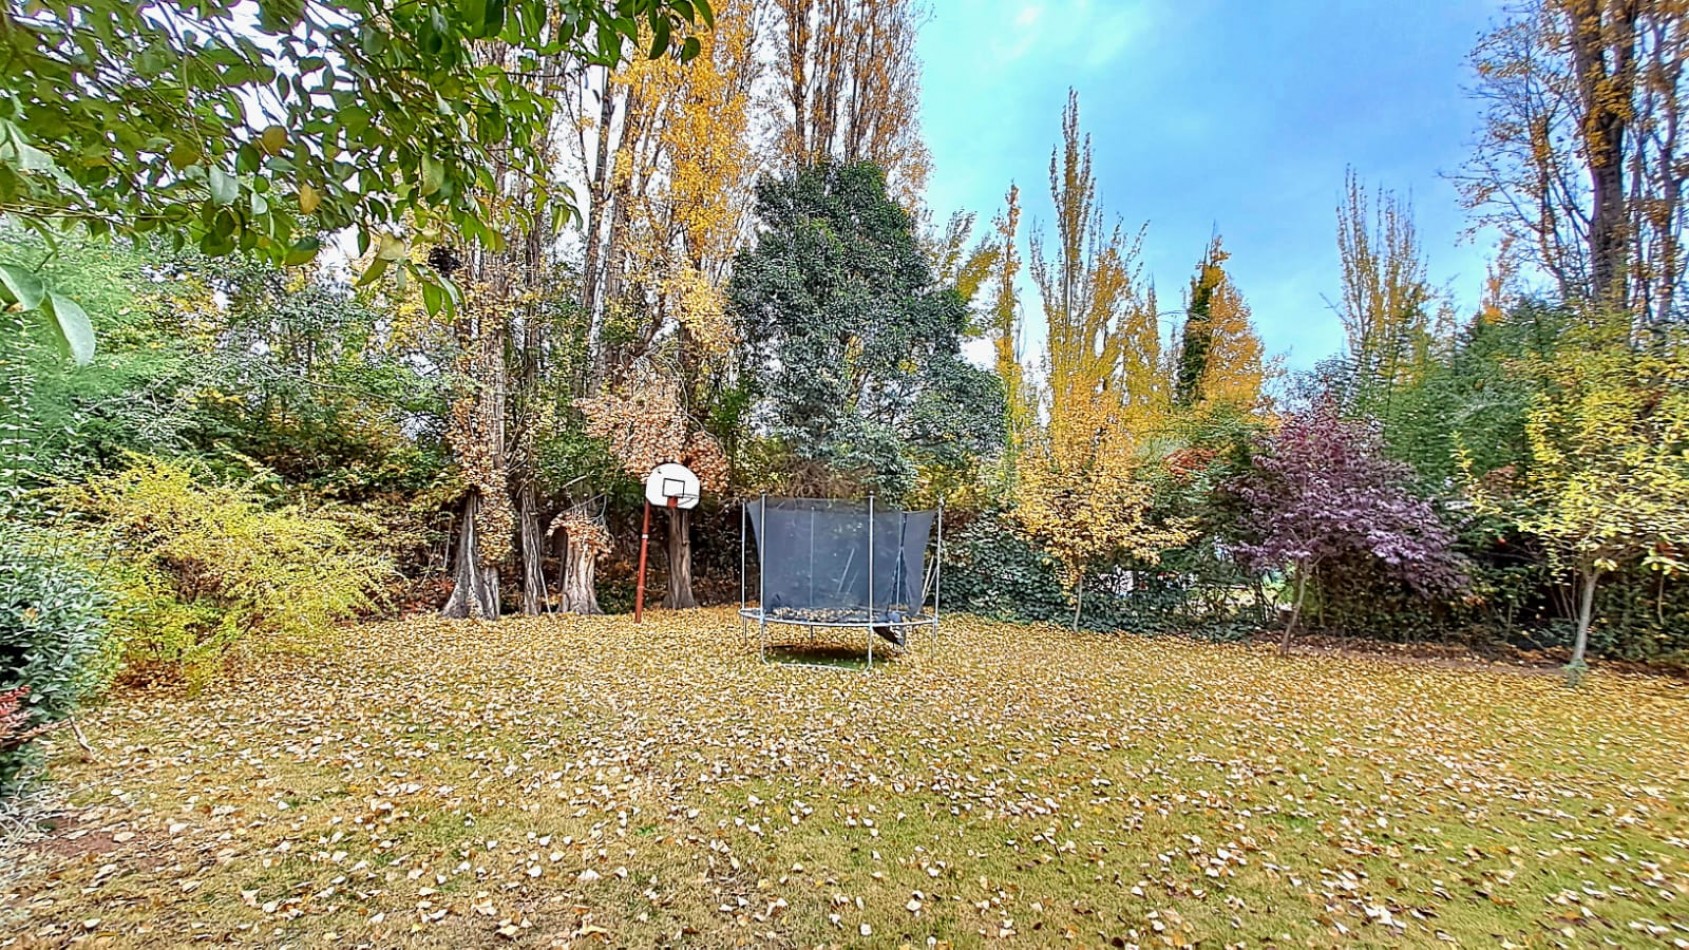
(670, 485)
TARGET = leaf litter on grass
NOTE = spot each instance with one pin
(585, 782)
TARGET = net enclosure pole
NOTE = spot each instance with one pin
(744, 518)
(870, 580)
(938, 572)
(762, 579)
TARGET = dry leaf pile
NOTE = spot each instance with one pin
(585, 782)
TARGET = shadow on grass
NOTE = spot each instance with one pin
(826, 655)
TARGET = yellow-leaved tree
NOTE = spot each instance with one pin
(849, 84)
(1219, 361)
(1386, 300)
(1607, 481)
(1004, 329)
(1079, 488)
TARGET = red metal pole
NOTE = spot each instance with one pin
(644, 545)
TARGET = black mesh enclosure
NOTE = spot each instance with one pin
(815, 560)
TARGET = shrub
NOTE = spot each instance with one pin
(198, 567)
(992, 568)
(52, 638)
(1321, 495)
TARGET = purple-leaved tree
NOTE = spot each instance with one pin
(1322, 490)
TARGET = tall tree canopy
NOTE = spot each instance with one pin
(850, 83)
(1078, 488)
(1386, 300)
(1102, 361)
(1581, 153)
(1219, 360)
(846, 329)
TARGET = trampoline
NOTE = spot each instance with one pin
(840, 565)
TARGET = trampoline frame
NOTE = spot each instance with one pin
(749, 614)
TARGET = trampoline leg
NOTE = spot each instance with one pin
(870, 649)
(762, 639)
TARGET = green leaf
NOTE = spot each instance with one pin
(302, 251)
(433, 174)
(390, 247)
(74, 333)
(22, 286)
(32, 159)
(659, 36)
(225, 188)
(376, 268)
(432, 297)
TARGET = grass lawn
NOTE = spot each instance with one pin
(584, 782)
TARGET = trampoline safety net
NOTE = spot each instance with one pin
(815, 560)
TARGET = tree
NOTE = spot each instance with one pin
(1580, 156)
(1473, 402)
(499, 333)
(1386, 299)
(1091, 518)
(58, 420)
(478, 437)
(1004, 330)
(1606, 482)
(1078, 487)
(251, 128)
(849, 79)
(1322, 490)
(670, 165)
(844, 325)
(644, 425)
(1219, 357)
(1103, 373)
(667, 154)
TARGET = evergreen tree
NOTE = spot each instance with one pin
(846, 329)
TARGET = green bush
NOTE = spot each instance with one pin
(199, 567)
(52, 638)
(992, 568)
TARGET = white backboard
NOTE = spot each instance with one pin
(672, 480)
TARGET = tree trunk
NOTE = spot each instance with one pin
(1078, 600)
(1586, 613)
(1603, 41)
(599, 191)
(579, 570)
(679, 596)
(533, 553)
(474, 586)
(1295, 611)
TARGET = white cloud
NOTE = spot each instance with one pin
(1090, 33)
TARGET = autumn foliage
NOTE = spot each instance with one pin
(1322, 490)
(644, 425)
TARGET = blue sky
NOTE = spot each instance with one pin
(1239, 115)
